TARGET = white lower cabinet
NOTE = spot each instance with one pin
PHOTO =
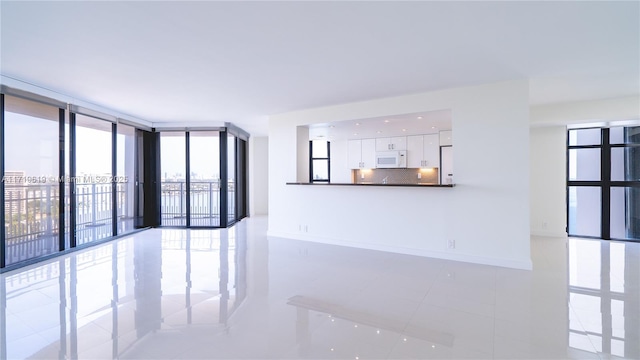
(362, 154)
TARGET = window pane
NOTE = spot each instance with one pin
(174, 187)
(93, 183)
(204, 152)
(584, 210)
(625, 135)
(319, 149)
(585, 137)
(584, 164)
(625, 164)
(320, 170)
(126, 172)
(625, 213)
(31, 191)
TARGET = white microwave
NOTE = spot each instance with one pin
(391, 159)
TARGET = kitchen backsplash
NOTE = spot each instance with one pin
(395, 176)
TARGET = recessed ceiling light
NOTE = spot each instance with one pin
(419, 117)
(386, 121)
(331, 126)
(379, 132)
(433, 127)
(355, 133)
(404, 129)
(357, 124)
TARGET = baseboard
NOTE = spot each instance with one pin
(556, 234)
(446, 255)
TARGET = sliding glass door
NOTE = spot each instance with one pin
(604, 183)
(31, 186)
(173, 167)
(204, 192)
(93, 182)
(126, 178)
(203, 178)
(231, 178)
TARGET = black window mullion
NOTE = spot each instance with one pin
(584, 146)
(61, 181)
(72, 183)
(328, 161)
(114, 170)
(605, 176)
(310, 161)
(238, 181)
(2, 200)
(187, 193)
(224, 212)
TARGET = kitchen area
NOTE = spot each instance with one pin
(404, 150)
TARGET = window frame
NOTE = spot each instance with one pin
(328, 159)
(605, 184)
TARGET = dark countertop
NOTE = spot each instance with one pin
(372, 184)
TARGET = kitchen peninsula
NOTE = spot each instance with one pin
(372, 184)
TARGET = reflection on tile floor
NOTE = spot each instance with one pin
(180, 294)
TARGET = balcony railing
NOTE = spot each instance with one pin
(32, 213)
(32, 216)
(204, 202)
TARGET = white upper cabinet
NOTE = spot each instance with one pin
(354, 158)
(391, 143)
(415, 151)
(383, 144)
(361, 154)
(369, 153)
(431, 151)
(423, 151)
(446, 138)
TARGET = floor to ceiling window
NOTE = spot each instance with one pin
(173, 178)
(126, 177)
(231, 178)
(604, 183)
(214, 192)
(72, 177)
(204, 161)
(93, 182)
(31, 186)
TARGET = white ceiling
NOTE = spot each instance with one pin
(430, 122)
(242, 61)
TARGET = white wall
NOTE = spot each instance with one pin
(302, 153)
(487, 213)
(548, 181)
(258, 175)
(605, 110)
(340, 172)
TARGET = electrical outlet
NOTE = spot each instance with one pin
(419, 176)
(451, 244)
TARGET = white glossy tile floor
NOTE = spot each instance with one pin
(205, 294)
